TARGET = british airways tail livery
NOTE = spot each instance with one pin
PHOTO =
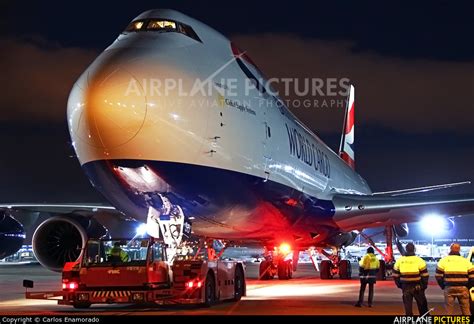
(346, 151)
(236, 167)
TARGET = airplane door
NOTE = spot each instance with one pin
(267, 156)
(268, 144)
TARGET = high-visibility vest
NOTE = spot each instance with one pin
(454, 270)
(410, 269)
(369, 265)
(119, 253)
(369, 262)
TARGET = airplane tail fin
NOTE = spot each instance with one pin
(346, 150)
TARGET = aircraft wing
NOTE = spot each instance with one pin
(25, 212)
(422, 189)
(356, 212)
(56, 208)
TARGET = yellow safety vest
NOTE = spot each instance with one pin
(454, 270)
(410, 269)
(369, 262)
(369, 266)
(119, 253)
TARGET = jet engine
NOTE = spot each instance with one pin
(59, 239)
(12, 235)
(342, 239)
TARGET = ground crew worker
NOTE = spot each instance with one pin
(116, 254)
(368, 267)
(410, 275)
(472, 299)
(455, 275)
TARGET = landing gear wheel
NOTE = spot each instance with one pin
(325, 270)
(239, 281)
(209, 291)
(345, 271)
(81, 305)
(382, 273)
(284, 270)
(265, 270)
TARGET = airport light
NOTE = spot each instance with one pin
(141, 230)
(433, 224)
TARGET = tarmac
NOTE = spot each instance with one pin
(305, 294)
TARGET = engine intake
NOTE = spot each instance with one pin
(60, 239)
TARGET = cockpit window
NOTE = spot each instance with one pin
(188, 31)
(135, 26)
(162, 25)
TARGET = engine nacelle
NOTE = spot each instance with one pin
(12, 235)
(342, 239)
(60, 239)
(401, 230)
(351, 238)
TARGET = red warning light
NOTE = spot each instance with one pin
(285, 248)
(291, 202)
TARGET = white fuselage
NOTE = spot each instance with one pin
(124, 108)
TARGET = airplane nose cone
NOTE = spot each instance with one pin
(106, 108)
(123, 108)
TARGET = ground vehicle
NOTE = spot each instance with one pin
(144, 275)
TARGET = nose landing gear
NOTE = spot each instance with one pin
(170, 223)
(334, 266)
(277, 262)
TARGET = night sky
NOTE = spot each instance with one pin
(412, 65)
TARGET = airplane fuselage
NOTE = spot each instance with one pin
(233, 157)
